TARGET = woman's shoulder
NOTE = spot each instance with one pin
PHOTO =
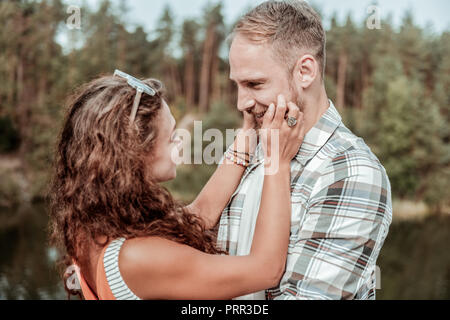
(147, 263)
(152, 255)
(135, 247)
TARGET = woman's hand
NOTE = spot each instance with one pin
(246, 139)
(249, 118)
(279, 141)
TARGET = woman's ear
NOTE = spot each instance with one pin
(305, 71)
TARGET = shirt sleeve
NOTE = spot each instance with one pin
(342, 231)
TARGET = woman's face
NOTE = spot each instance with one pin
(166, 145)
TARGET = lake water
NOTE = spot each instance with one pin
(27, 264)
(414, 261)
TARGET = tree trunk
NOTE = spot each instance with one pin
(342, 72)
(175, 78)
(121, 63)
(22, 113)
(364, 80)
(189, 80)
(215, 80)
(205, 74)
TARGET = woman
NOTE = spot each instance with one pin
(129, 237)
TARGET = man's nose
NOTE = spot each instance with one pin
(245, 102)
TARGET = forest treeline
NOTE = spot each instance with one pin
(392, 85)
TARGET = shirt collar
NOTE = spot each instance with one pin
(315, 139)
(318, 136)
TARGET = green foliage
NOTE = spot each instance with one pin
(192, 178)
(222, 117)
(404, 128)
(394, 85)
(10, 190)
(438, 186)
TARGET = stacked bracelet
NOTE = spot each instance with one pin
(235, 156)
(242, 155)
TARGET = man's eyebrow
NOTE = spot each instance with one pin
(250, 80)
(255, 80)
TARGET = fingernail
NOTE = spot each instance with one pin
(271, 107)
(250, 103)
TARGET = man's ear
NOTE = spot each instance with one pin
(305, 71)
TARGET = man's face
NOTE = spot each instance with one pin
(259, 77)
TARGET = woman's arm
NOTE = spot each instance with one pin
(156, 268)
(209, 204)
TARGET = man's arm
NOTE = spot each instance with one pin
(342, 232)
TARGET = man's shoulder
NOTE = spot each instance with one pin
(346, 155)
(344, 148)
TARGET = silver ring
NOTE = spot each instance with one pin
(291, 121)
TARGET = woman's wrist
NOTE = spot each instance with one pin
(244, 142)
(276, 168)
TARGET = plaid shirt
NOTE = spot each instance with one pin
(341, 212)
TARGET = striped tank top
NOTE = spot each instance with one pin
(118, 287)
(109, 281)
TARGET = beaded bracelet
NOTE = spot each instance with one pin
(243, 155)
(242, 162)
(238, 155)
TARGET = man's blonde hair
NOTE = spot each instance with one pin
(291, 27)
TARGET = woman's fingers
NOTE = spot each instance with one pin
(268, 117)
(293, 135)
(249, 121)
(290, 138)
(294, 111)
(280, 112)
(299, 129)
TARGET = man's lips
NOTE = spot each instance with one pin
(259, 115)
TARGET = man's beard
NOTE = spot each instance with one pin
(299, 101)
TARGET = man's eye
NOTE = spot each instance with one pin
(253, 84)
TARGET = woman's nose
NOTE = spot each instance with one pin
(179, 143)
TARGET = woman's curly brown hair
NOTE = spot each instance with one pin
(101, 184)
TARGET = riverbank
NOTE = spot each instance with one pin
(17, 187)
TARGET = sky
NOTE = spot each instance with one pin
(147, 12)
(433, 14)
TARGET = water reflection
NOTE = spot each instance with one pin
(27, 264)
(414, 261)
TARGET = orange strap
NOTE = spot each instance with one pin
(103, 290)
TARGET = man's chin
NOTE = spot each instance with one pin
(259, 123)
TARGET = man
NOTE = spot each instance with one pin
(341, 197)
